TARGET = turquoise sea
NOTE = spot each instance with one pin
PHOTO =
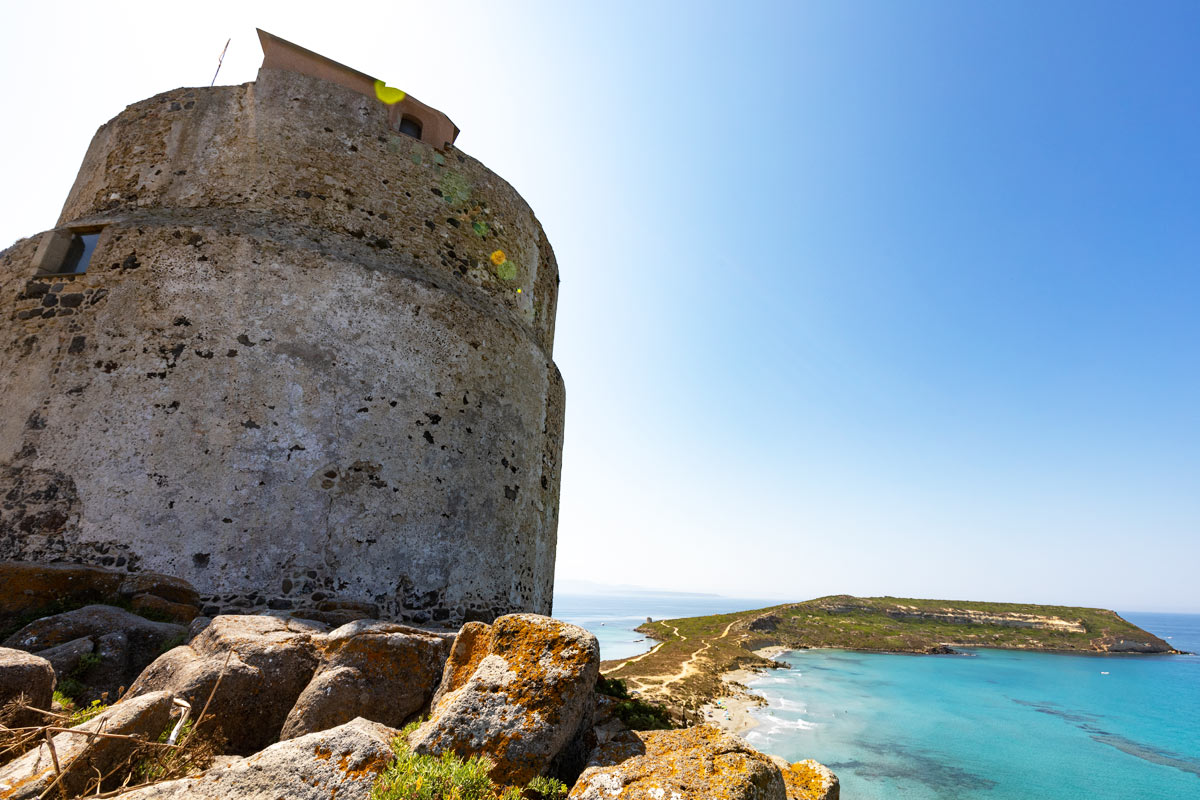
(991, 725)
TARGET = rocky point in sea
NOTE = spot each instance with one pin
(276, 705)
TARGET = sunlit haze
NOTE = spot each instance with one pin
(869, 298)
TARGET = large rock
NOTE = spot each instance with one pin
(530, 693)
(28, 588)
(468, 649)
(125, 643)
(24, 676)
(378, 670)
(81, 759)
(67, 658)
(340, 763)
(808, 780)
(699, 762)
(263, 664)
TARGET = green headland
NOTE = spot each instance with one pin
(687, 667)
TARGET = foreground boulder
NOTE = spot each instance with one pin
(263, 664)
(27, 589)
(518, 691)
(68, 658)
(81, 759)
(122, 644)
(379, 670)
(691, 763)
(24, 678)
(808, 780)
(341, 763)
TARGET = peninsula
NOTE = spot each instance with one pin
(700, 659)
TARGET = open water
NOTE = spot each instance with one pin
(994, 725)
(613, 617)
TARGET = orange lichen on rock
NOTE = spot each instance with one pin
(809, 780)
(470, 646)
(530, 692)
(672, 765)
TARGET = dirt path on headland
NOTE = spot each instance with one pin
(655, 684)
(689, 665)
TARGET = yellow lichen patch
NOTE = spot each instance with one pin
(470, 646)
(805, 780)
(695, 762)
(388, 94)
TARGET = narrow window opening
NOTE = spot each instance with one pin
(79, 253)
(410, 127)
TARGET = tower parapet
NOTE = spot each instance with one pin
(306, 359)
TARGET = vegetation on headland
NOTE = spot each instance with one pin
(913, 626)
(637, 714)
(686, 668)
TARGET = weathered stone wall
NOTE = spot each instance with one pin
(294, 372)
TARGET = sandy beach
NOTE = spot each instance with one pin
(732, 713)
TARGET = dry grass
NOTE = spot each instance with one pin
(146, 763)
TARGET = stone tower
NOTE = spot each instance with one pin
(290, 344)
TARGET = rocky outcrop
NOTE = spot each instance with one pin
(67, 659)
(1124, 644)
(28, 588)
(694, 762)
(339, 763)
(80, 758)
(262, 663)
(380, 670)
(808, 780)
(767, 623)
(122, 645)
(962, 616)
(518, 691)
(27, 679)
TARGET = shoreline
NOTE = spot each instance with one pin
(731, 713)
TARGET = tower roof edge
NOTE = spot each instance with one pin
(433, 126)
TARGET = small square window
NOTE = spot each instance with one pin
(410, 126)
(66, 252)
(79, 253)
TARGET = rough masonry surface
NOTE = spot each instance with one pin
(309, 364)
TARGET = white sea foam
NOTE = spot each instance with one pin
(784, 704)
(771, 680)
(790, 724)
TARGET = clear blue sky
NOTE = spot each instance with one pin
(869, 297)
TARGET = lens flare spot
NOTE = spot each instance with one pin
(388, 94)
(499, 258)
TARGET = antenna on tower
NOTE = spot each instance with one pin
(220, 60)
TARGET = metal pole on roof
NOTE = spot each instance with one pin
(220, 60)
